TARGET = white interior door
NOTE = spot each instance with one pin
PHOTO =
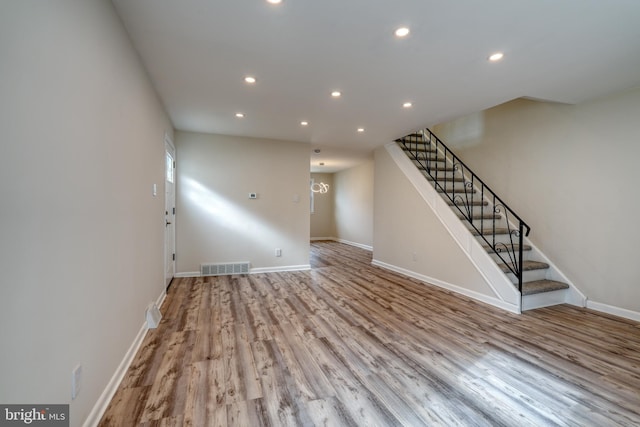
(169, 212)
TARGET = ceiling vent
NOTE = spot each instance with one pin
(224, 268)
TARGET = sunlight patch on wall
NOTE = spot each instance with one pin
(219, 214)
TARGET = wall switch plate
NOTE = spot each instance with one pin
(278, 252)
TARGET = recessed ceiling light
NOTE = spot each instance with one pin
(407, 105)
(336, 94)
(274, 1)
(496, 56)
(360, 129)
(250, 79)
(402, 32)
(303, 123)
(240, 115)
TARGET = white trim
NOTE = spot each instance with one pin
(513, 308)
(188, 274)
(278, 269)
(105, 398)
(161, 298)
(544, 299)
(275, 269)
(346, 242)
(169, 147)
(357, 245)
(103, 401)
(616, 311)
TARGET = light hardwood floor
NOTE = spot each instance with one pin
(348, 344)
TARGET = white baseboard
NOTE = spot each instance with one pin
(357, 245)
(302, 267)
(188, 274)
(458, 289)
(275, 269)
(616, 311)
(346, 242)
(103, 401)
(161, 298)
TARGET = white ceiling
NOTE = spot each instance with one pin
(198, 52)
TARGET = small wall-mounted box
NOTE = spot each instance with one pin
(253, 195)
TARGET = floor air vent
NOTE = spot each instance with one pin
(224, 268)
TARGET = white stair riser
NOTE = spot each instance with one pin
(500, 238)
(544, 299)
(529, 276)
(496, 258)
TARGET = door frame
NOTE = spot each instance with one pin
(169, 208)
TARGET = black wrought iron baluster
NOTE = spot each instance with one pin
(468, 191)
(494, 228)
(493, 225)
(427, 153)
(442, 183)
(482, 207)
(520, 257)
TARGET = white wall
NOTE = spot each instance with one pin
(409, 236)
(82, 235)
(570, 172)
(323, 223)
(354, 204)
(216, 220)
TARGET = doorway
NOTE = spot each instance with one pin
(169, 212)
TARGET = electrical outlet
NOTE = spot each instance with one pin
(278, 252)
(76, 381)
(414, 256)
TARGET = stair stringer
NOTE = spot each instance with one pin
(507, 294)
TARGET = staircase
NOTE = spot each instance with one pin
(500, 231)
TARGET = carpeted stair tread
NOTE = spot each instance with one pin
(457, 190)
(473, 203)
(439, 168)
(448, 179)
(480, 216)
(526, 266)
(489, 231)
(418, 148)
(508, 247)
(539, 286)
(428, 159)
